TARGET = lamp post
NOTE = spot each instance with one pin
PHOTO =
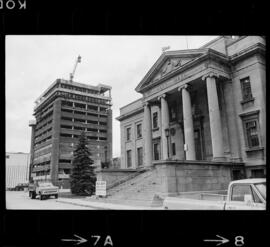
(167, 133)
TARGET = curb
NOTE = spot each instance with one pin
(106, 207)
(83, 205)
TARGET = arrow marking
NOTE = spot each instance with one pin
(80, 240)
(222, 240)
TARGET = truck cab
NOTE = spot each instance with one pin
(245, 194)
(43, 189)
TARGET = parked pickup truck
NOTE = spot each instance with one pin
(43, 190)
(245, 194)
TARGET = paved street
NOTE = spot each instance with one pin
(21, 200)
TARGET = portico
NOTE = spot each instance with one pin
(185, 85)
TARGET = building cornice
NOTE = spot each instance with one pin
(254, 49)
(130, 114)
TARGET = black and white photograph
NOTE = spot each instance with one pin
(138, 122)
(133, 124)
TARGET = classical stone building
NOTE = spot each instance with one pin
(61, 113)
(205, 104)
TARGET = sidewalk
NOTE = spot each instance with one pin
(103, 205)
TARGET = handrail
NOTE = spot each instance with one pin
(123, 180)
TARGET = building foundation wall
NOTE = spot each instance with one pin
(184, 176)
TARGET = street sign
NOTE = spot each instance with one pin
(100, 188)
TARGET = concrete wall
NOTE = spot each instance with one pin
(184, 176)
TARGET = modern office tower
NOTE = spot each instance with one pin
(61, 113)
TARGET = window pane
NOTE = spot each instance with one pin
(156, 151)
(140, 156)
(252, 133)
(246, 88)
(173, 149)
(128, 134)
(139, 130)
(155, 120)
(262, 188)
(239, 191)
(129, 158)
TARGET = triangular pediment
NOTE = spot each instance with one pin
(168, 63)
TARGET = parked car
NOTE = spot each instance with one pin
(245, 194)
(21, 186)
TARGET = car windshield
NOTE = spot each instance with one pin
(45, 184)
(262, 188)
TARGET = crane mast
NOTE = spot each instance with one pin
(76, 63)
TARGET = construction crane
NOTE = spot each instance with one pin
(72, 74)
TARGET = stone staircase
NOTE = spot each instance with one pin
(140, 190)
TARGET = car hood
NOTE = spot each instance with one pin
(49, 188)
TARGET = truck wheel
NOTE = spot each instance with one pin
(33, 195)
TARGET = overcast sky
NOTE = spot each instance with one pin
(33, 63)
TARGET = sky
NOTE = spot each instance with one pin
(34, 62)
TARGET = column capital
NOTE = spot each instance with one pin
(146, 103)
(162, 96)
(185, 86)
(210, 74)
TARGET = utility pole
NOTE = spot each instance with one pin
(76, 63)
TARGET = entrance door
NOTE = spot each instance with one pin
(198, 144)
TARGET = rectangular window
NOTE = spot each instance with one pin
(155, 120)
(238, 192)
(129, 161)
(128, 134)
(251, 129)
(246, 89)
(257, 173)
(173, 149)
(252, 133)
(140, 156)
(156, 151)
(139, 130)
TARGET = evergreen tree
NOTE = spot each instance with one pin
(82, 178)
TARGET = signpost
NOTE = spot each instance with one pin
(100, 188)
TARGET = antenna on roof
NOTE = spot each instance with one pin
(76, 63)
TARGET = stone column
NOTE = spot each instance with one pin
(164, 126)
(188, 124)
(214, 115)
(147, 125)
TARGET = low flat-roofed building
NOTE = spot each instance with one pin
(17, 168)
